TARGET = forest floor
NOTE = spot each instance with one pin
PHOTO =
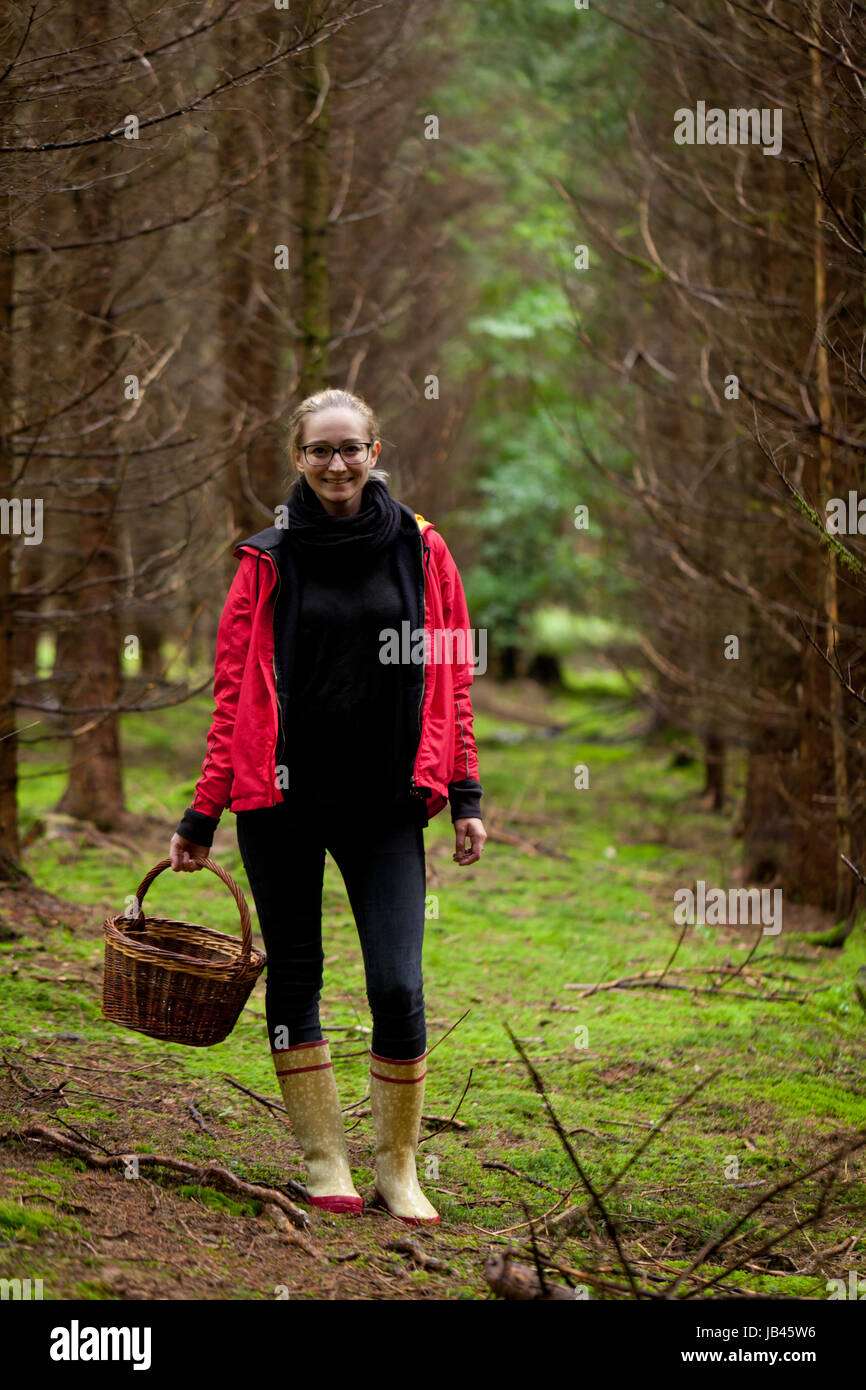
(574, 891)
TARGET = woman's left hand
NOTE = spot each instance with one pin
(473, 828)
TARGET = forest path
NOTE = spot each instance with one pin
(574, 893)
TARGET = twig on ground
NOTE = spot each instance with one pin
(716, 1243)
(855, 871)
(93, 1143)
(563, 1139)
(747, 1261)
(755, 944)
(725, 967)
(843, 1248)
(200, 1121)
(263, 1100)
(85, 1066)
(413, 1251)
(583, 1056)
(642, 982)
(535, 1253)
(507, 1168)
(565, 1222)
(428, 1137)
(533, 848)
(279, 1219)
(207, 1175)
(519, 1282)
(668, 1115)
(448, 1031)
(627, 1124)
(674, 953)
(519, 1225)
(29, 1086)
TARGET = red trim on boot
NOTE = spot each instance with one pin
(340, 1205)
(293, 1071)
(399, 1080)
(398, 1061)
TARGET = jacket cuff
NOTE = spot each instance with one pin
(198, 827)
(465, 798)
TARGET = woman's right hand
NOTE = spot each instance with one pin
(186, 856)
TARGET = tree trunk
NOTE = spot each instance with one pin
(94, 789)
(547, 671)
(314, 310)
(714, 765)
(9, 841)
(825, 824)
(252, 355)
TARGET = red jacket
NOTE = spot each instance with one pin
(239, 768)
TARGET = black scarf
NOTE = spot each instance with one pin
(341, 545)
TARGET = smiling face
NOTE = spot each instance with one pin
(339, 484)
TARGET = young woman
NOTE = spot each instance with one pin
(342, 722)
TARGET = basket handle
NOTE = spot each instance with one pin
(246, 926)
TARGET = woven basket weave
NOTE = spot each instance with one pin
(174, 980)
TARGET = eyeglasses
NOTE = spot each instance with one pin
(320, 455)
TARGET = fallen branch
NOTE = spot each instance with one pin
(567, 1219)
(520, 1283)
(755, 944)
(87, 1066)
(595, 1280)
(747, 1261)
(564, 1140)
(263, 1100)
(582, 1056)
(412, 1250)
(427, 1137)
(531, 847)
(278, 1217)
(206, 1175)
(643, 982)
(200, 1121)
(853, 869)
(724, 968)
(716, 1243)
(446, 1121)
(515, 1172)
(465, 1014)
(675, 952)
(28, 1085)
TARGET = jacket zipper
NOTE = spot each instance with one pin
(414, 789)
(279, 744)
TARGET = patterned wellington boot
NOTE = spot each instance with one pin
(306, 1078)
(397, 1099)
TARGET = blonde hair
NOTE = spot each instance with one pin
(331, 397)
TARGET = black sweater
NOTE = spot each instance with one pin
(347, 716)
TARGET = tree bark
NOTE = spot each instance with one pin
(94, 790)
(314, 308)
(9, 840)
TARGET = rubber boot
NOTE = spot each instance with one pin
(396, 1100)
(306, 1078)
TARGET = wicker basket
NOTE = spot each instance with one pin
(174, 980)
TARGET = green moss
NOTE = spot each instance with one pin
(93, 1290)
(219, 1202)
(64, 1165)
(20, 1222)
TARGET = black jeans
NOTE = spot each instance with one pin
(381, 859)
